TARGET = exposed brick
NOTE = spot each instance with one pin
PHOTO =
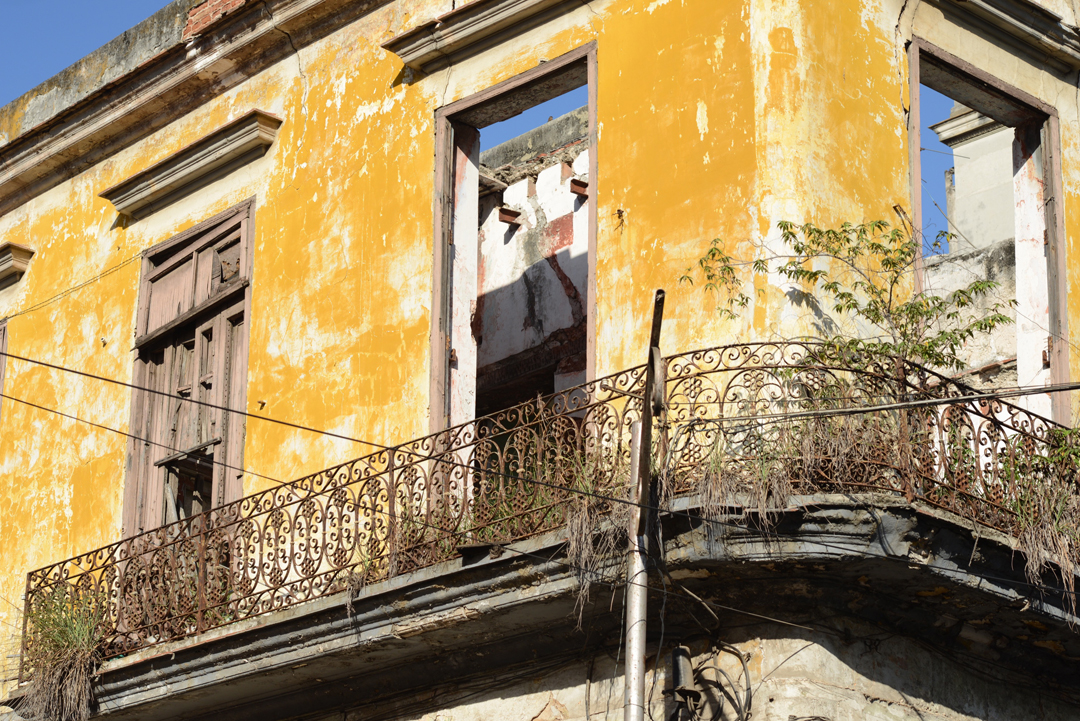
(206, 14)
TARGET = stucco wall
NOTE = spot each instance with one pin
(716, 118)
(853, 673)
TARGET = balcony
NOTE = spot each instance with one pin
(745, 426)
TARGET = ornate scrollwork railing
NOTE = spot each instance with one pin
(745, 424)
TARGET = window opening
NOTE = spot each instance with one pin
(192, 344)
(519, 246)
(983, 180)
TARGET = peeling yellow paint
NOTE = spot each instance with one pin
(716, 119)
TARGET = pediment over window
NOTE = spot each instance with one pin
(211, 158)
(429, 47)
(13, 262)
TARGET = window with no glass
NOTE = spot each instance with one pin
(516, 163)
(192, 363)
(987, 211)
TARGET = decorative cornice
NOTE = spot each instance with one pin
(967, 126)
(430, 46)
(1023, 24)
(177, 79)
(226, 149)
(13, 262)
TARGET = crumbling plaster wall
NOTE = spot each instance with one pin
(533, 279)
(957, 269)
(856, 673)
(716, 118)
(341, 292)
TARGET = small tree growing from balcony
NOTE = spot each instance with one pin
(863, 273)
(881, 334)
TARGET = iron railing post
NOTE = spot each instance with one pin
(200, 583)
(391, 509)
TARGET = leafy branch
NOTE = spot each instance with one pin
(866, 275)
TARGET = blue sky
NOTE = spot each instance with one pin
(53, 34)
(42, 37)
(936, 159)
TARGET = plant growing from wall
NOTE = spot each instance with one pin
(863, 272)
(596, 527)
(858, 277)
(65, 634)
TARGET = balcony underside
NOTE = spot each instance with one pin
(909, 570)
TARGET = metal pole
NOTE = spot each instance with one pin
(641, 472)
(636, 589)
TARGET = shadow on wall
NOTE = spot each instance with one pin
(529, 324)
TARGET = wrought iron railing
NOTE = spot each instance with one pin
(745, 424)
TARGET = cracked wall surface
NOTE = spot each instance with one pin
(533, 284)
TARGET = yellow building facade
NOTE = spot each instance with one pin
(707, 119)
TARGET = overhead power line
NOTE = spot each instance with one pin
(205, 404)
(206, 461)
(991, 395)
(537, 482)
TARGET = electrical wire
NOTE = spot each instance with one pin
(446, 461)
(195, 401)
(200, 461)
(68, 291)
(1016, 391)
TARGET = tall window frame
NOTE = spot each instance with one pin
(934, 66)
(456, 126)
(191, 342)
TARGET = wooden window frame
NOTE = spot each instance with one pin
(224, 304)
(479, 110)
(989, 86)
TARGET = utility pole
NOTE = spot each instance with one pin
(652, 401)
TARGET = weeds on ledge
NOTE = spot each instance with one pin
(64, 649)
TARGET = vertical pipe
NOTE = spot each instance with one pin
(636, 589)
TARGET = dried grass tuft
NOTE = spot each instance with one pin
(65, 639)
(1047, 508)
(597, 528)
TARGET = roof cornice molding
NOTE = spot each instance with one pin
(477, 24)
(959, 129)
(1022, 24)
(176, 81)
(240, 142)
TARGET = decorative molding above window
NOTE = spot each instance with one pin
(1023, 24)
(215, 156)
(13, 262)
(429, 46)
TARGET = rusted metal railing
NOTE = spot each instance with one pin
(748, 421)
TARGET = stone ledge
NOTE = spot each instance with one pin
(240, 142)
(910, 568)
(97, 120)
(430, 46)
(1026, 25)
(14, 260)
